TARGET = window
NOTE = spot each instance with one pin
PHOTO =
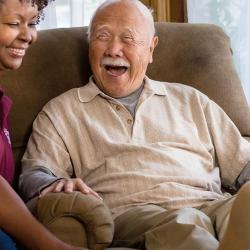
(234, 17)
(69, 13)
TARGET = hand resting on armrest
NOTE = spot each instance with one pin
(68, 186)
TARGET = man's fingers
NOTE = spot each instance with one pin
(59, 186)
(54, 187)
(85, 189)
(81, 186)
(68, 186)
(95, 194)
(46, 190)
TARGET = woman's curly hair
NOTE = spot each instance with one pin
(41, 4)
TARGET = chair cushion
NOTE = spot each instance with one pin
(200, 55)
(65, 214)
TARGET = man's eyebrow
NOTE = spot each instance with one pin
(129, 30)
(101, 27)
(132, 32)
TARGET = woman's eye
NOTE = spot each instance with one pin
(13, 24)
(33, 24)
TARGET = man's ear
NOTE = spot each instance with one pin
(153, 44)
(87, 35)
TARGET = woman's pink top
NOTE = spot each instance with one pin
(6, 156)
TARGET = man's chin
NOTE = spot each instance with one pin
(115, 91)
(117, 80)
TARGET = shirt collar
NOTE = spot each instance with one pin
(89, 91)
(154, 87)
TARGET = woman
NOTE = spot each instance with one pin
(18, 19)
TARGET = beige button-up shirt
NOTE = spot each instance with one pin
(172, 153)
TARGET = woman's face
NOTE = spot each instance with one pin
(17, 31)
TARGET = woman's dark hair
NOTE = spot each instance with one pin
(41, 4)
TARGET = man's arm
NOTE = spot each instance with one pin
(33, 180)
(39, 181)
(232, 151)
(46, 164)
(16, 220)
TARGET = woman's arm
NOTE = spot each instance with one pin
(16, 220)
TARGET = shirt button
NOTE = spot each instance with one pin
(129, 121)
(118, 108)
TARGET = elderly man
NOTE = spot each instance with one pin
(152, 151)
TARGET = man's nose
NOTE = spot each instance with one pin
(115, 48)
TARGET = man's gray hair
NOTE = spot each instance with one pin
(146, 12)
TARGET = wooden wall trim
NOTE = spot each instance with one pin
(167, 10)
(161, 10)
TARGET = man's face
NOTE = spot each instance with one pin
(121, 47)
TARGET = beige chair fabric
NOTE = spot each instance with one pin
(200, 55)
(93, 226)
(195, 54)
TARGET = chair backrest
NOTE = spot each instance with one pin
(193, 54)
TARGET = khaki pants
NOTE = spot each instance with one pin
(154, 228)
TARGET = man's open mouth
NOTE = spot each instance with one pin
(116, 70)
(115, 66)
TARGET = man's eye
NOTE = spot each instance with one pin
(128, 39)
(103, 37)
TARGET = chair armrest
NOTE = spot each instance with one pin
(57, 211)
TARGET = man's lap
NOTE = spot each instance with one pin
(144, 223)
(219, 212)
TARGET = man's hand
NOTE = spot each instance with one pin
(68, 186)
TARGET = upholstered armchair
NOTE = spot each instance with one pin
(193, 54)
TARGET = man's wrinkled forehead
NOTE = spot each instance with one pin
(126, 13)
(106, 26)
(107, 17)
(110, 14)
